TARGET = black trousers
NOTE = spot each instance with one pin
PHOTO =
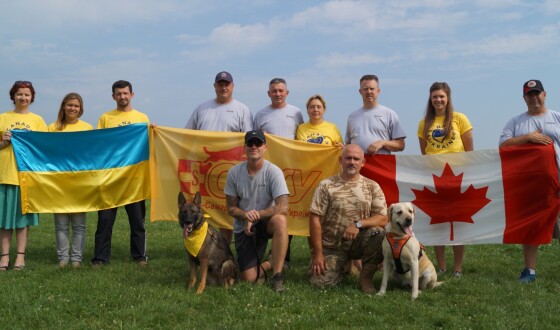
(106, 219)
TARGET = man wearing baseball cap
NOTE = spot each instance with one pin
(538, 125)
(222, 114)
(257, 199)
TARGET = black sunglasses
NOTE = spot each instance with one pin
(254, 142)
(23, 82)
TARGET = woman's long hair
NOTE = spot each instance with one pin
(431, 111)
(61, 118)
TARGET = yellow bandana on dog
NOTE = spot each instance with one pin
(193, 243)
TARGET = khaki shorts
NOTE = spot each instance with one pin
(367, 247)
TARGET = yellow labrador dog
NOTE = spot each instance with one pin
(403, 256)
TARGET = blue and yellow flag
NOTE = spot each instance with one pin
(82, 171)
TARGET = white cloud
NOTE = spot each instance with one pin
(523, 43)
(64, 13)
(498, 3)
(349, 59)
(551, 7)
(228, 40)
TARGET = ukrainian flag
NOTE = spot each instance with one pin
(82, 171)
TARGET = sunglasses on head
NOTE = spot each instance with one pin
(254, 142)
(23, 82)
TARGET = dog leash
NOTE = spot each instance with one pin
(259, 265)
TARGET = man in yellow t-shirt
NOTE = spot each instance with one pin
(123, 115)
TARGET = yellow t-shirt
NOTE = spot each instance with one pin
(117, 118)
(15, 121)
(323, 133)
(436, 144)
(76, 127)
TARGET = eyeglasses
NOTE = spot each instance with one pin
(254, 142)
(23, 82)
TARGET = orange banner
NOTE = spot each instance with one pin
(190, 161)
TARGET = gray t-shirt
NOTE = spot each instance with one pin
(230, 117)
(282, 122)
(366, 126)
(548, 123)
(255, 192)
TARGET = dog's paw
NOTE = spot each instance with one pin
(380, 293)
(415, 295)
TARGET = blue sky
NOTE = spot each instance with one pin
(171, 51)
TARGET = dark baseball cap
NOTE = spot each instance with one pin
(255, 135)
(224, 75)
(532, 85)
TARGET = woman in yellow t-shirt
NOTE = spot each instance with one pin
(71, 109)
(22, 94)
(317, 130)
(444, 131)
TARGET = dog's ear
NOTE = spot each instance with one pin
(390, 213)
(197, 200)
(181, 199)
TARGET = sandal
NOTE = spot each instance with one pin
(22, 266)
(4, 268)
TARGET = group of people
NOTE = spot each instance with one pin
(348, 212)
(69, 251)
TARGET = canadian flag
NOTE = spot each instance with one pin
(504, 196)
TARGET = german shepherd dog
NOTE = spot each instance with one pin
(214, 257)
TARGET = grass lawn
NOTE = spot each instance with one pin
(121, 295)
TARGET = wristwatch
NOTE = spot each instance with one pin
(358, 224)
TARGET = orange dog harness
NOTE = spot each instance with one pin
(396, 247)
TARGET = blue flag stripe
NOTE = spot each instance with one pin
(81, 151)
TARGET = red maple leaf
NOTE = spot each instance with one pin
(448, 203)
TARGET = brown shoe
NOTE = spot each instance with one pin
(142, 263)
(277, 283)
(366, 276)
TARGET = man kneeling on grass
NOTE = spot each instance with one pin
(257, 198)
(347, 219)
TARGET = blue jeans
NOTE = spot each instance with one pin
(62, 222)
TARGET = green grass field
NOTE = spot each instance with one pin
(123, 296)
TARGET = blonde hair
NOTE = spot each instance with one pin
(316, 97)
(61, 118)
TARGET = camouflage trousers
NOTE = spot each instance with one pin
(367, 247)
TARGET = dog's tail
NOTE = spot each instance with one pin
(229, 273)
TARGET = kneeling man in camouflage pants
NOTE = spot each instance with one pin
(348, 216)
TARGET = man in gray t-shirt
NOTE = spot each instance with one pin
(222, 114)
(279, 118)
(257, 199)
(538, 125)
(374, 127)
